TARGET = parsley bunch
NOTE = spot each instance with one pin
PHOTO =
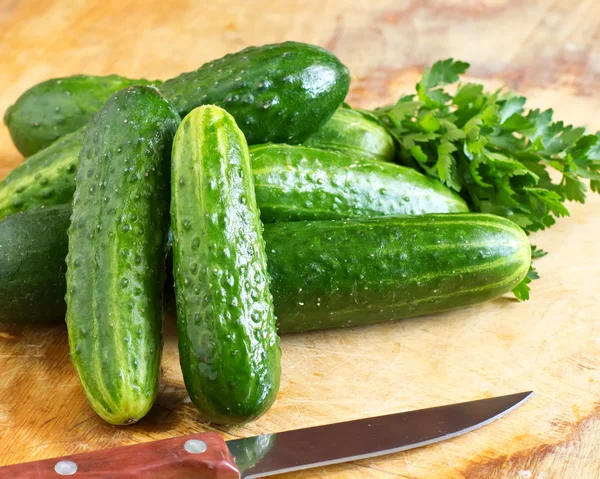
(491, 150)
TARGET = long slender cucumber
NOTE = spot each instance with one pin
(490, 253)
(292, 183)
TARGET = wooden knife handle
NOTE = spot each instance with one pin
(200, 456)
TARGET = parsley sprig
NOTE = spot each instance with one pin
(493, 151)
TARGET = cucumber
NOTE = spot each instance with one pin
(292, 183)
(51, 109)
(117, 248)
(307, 267)
(228, 344)
(279, 92)
(350, 131)
(44, 179)
(296, 183)
(330, 274)
(33, 247)
(276, 93)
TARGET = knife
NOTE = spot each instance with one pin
(207, 456)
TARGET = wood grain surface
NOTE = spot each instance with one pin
(548, 50)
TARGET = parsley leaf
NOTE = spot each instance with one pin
(440, 74)
(521, 291)
(537, 253)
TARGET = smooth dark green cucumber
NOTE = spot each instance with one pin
(280, 93)
(305, 266)
(117, 248)
(350, 131)
(53, 108)
(47, 178)
(296, 183)
(33, 247)
(228, 344)
(345, 273)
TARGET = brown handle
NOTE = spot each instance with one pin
(200, 456)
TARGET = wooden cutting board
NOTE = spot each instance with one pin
(548, 50)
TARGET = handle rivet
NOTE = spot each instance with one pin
(65, 468)
(195, 446)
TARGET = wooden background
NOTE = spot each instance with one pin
(548, 50)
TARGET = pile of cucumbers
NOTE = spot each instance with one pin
(276, 207)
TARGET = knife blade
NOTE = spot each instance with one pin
(207, 456)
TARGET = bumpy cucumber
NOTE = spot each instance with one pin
(307, 267)
(228, 344)
(280, 92)
(300, 183)
(53, 108)
(117, 247)
(292, 183)
(330, 274)
(33, 247)
(350, 131)
(46, 178)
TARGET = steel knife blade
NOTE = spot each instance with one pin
(207, 456)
